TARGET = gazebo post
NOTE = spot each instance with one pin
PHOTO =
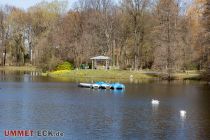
(106, 64)
(93, 64)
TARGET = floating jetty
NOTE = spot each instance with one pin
(103, 85)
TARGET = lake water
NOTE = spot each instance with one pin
(39, 103)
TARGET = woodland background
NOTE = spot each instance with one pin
(163, 35)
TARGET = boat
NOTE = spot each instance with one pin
(103, 85)
(117, 86)
(100, 83)
(95, 86)
(85, 85)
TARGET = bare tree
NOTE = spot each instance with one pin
(206, 33)
(136, 10)
(166, 15)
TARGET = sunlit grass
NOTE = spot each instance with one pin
(119, 74)
(19, 68)
(188, 75)
(111, 74)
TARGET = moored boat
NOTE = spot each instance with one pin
(117, 86)
(85, 85)
(103, 85)
(95, 86)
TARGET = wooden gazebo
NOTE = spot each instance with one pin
(100, 58)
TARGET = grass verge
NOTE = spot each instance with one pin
(110, 74)
(19, 68)
(120, 74)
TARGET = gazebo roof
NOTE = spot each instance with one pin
(100, 58)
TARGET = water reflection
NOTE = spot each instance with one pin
(35, 102)
(109, 91)
(118, 92)
(24, 76)
(155, 107)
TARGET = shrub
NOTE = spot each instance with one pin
(48, 64)
(190, 67)
(65, 66)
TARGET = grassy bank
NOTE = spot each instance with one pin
(188, 76)
(111, 74)
(120, 74)
(19, 68)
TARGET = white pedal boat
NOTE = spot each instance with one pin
(85, 85)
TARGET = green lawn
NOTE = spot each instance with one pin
(110, 74)
(118, 74)
(190, 75)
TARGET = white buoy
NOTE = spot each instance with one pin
(183, 113)
(155, 102)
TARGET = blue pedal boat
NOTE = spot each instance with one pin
(117, 86)
(103, 85)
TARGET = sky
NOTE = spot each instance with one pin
(25, 4)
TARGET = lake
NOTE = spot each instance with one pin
(30, 102)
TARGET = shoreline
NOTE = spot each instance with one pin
(111, 74)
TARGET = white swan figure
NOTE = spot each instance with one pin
(155, 102)
(183, 113)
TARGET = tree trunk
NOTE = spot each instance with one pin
(4, 57)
